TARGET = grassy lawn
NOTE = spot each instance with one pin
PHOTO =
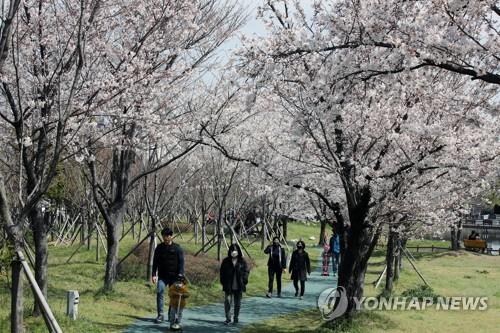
(131, 299)
(449, 274)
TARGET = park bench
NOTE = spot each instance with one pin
(476, 244)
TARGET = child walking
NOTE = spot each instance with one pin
(300, 267)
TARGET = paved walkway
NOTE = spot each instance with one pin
(210, 318)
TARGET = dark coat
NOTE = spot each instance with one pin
(271, 262)
(168, 260)
(228, 270)
(297, 270)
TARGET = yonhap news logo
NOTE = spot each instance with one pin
(333, 303)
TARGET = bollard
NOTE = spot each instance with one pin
(72, 305)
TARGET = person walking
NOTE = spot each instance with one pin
(335, 250)
(276, 265)
(300, 267)
(234, 274)
(168, 264)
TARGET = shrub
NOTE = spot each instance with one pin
(201, 270)
(420, 292)
(135, 265)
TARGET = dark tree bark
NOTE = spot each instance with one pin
(40, 223)
(459, 234)
(398, 258)
(16, 315)
(15, 236)
(357, 243)
(390, 262)
(453, 238)
(322, 232)
(113, 226)
(151, 249)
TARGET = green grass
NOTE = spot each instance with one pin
(449, 274)
(131, 299)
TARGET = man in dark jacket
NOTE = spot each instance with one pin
(275, 265)
(168, 264)
(233, 278)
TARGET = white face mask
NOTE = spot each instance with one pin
(234, 254)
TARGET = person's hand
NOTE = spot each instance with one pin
(284, 270)
(154, 279)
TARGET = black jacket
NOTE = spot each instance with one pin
(271, 262)
(297, 270)
(168, 260)
(228, 270)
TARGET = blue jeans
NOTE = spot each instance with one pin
(335, 261)
(160, 290)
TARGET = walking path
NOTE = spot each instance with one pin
(210, 318)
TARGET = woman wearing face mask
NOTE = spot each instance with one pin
(276, 265)
(233, 278)
(300, 266)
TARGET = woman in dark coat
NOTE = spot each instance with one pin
(300, 266)
(233, 278)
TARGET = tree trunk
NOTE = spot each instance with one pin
(453, 238)
(397, 259)
(16, 310)
(196, 228)
(219, 237)
(203, 233)
(390, 258)
(39, 226)
(84, 233)
(89, 229)
(322, 232)
(357, 242)
(15, 236)
(354, 263)
(113, 228)
(152, 246)
(285, 228)
(459, 234)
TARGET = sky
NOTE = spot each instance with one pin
(253, 26)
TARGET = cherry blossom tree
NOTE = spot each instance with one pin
(376, 103)
(155, 57)
(42, 85)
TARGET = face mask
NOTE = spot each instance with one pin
(234, 254)
(299, 247)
